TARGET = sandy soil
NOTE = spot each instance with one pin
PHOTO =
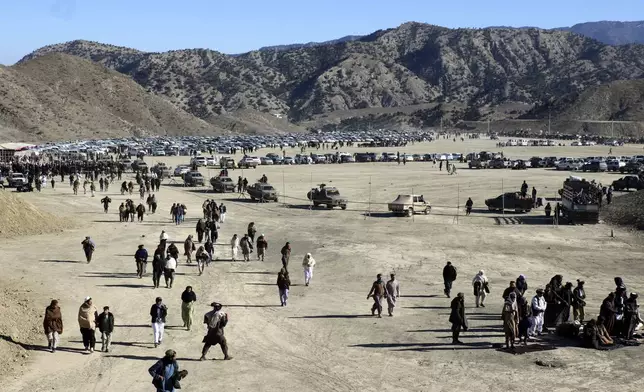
(325, 339)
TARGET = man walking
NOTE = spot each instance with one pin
(457, 317)
(262, 246)
(158, 266)
(449, 276)
(222, 213)
(393, 293)
(215, 320)
(88, 248)
(308, 263)
(158, 313)
(286, 255)
(105, 323)
(141, 258)
(378, 291)
(87, 315)
(538, 308)
(53, 324)
(169, 270)
(480, 284)
(283, 285)
(188, 299)
(165, 373)
(468, 206)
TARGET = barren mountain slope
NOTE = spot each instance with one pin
(58, 96)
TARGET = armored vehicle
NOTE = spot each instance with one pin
(262, 191)
(328, 196)
(222, 184)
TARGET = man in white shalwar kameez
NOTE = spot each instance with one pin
(393, 292)
(308, 263)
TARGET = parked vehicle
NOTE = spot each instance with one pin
(477, 164)
(266, 161)
(580, 200)
(199, 161)
(497, 164)
(329, 196)
(226, 163)
(628, 183)
(633, 166)
(139, 165)
(193, 178)
(248, 162)
(262, 191)
(16, 179)
(614, 164)
(180, 170)
(594, 166)
(510, 201)
(222, 184)
(409, 205)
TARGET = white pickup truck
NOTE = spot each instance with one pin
(16, 179)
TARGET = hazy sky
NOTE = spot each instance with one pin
(239, 26)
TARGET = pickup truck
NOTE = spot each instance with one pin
(16, 179)
(510, 201)
(328, 196)
(409, 205)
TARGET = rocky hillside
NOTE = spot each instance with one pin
(611, 32)
(411, 65)
(58, 96)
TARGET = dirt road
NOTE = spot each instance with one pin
(326, 340)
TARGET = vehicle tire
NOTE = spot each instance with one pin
(344, 206)
(276, 200)
(426, 211)
(329, 206)
(410, 212)
(518, 210)
(621, 170)
(315, 204)
(490, 209)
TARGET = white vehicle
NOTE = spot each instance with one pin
(551, 143)
(266, 161)
(390, 156)
(159, 153)
(576, 144)
(564, 164)
(577, 164)
(248, 162)
(614, 164)
(181, 170)
(320, 159)
(407, 157)
(523, 142)
(212, 161)
(16, 179)
(199, 161)
(288, 161)
(304, 160)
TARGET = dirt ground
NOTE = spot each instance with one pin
(326, 340)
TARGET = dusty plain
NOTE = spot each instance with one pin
(326, 339)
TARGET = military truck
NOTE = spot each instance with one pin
(329, 196)
(510, 201)
(580, 200)
(409, 205)
(628, 183)
(262, 191)
(222, 184)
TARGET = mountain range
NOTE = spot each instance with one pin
(412, 75)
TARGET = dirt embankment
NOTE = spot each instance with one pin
(626, 210)
(18, 217)
(20, 309)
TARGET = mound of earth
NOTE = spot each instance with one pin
(626, 210)
(18, 217)
(20, 327)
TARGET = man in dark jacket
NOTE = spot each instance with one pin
(141, 258)
(457, 317)
(378, 292)
(88, 248)
(283, 285)
(522, 284)
(511, 289)
(158, 264)
(105, 322)
(449, 276)
(158, 313)
(201, 229)
(286, 255)
(165, 373)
